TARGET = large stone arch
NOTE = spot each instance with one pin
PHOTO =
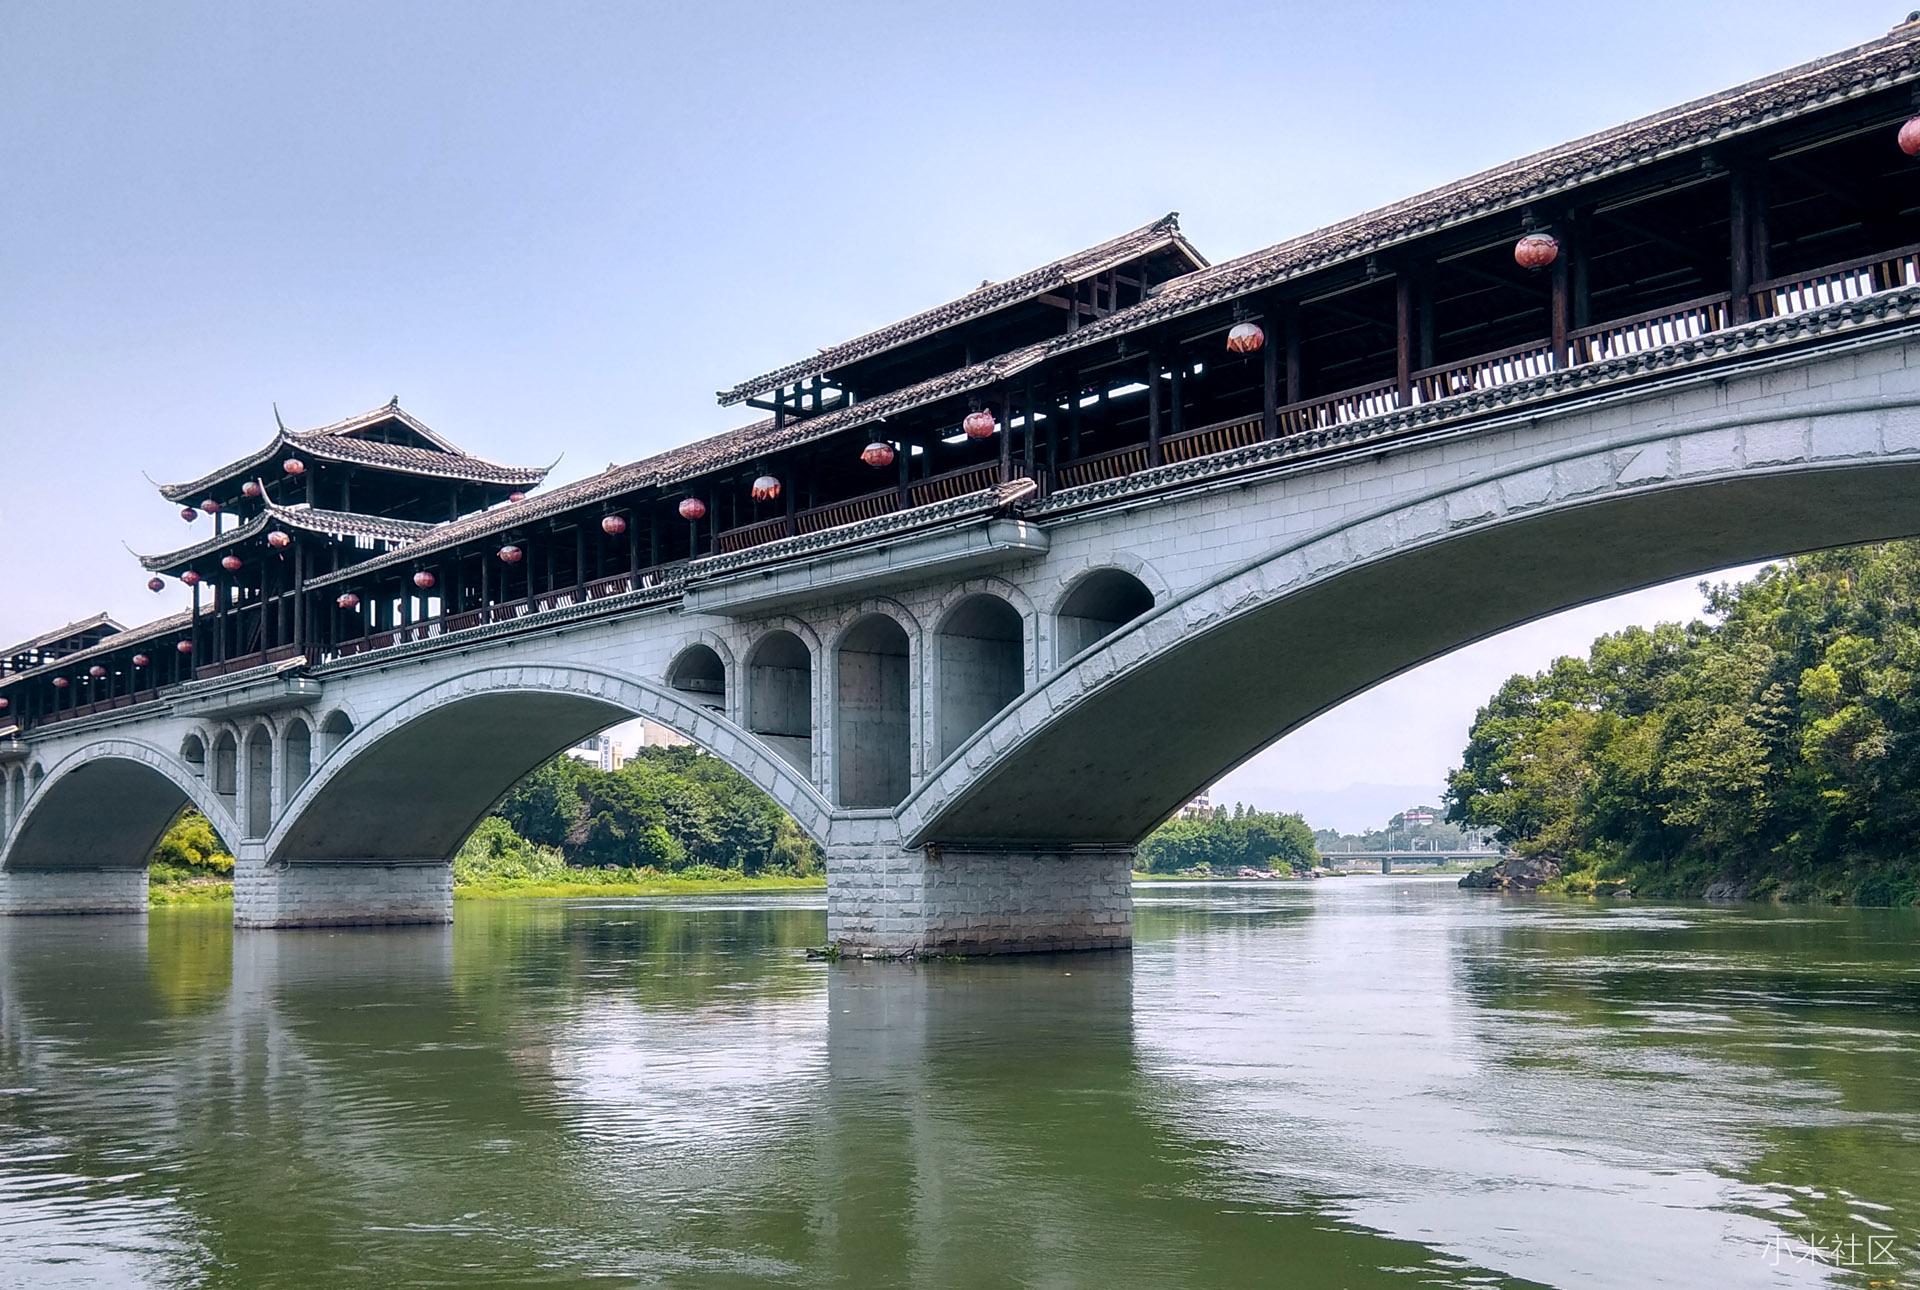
(416, 778)
(105, 806)
(1104, 750)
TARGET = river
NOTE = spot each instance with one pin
(1370, 1081)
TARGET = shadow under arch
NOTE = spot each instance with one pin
(418, 777)
(1106, 749)
(65, 823)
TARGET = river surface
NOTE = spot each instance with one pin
(1376, 1081)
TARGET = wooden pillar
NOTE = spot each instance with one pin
(1073, 416)
(1560, 304)
(1153, 410)
(1580, 287)
(1006, 437)
(1270, 385)
(580, 554)
(1293, 392)
(1740, 224)
(1403, 338)
(1177, 392)
(904, 492)
(792, 493)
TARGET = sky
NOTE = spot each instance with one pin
(553, 230)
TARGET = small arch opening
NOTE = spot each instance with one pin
(259, 782)
(226, 767)
(697, 672)
(780, 697)
(193, 751)
(334, 729)
(1099, 605)
(296, 757)
(872, 714)
(982, 666)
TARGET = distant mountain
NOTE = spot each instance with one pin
(1352, 809)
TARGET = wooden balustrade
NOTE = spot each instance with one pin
(1485, 372)
(1837, 283)
(1651, 330)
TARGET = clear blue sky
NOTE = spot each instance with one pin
(560, 227)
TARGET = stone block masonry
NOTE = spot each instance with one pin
(73, 891)
(358, 894)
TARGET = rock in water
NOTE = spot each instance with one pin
(1514, 873)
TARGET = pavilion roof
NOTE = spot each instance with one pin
(78, 627)
(989, 297)
(345, 442)
(306, 519)
(120, 640)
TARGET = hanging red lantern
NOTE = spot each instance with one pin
(278, 540)
(510, 554)
(423, 580)
(766, 488)
(516, 497)
(1245, 338)
(5, 704)
(97, 672)
(692, 508)
(1536, 251)
(184, 647)
(613, 525)
(60, 682)
(250, 489)
(294, 466)
(141, 660)
(1910, 137)
(231, 563)
(210, 506)
(347, 600)
(156, 584)
(188, 514)
(191, 578)
(877, 454)
(979, 425)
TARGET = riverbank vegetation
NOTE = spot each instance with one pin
(1223, 842)
(1773, 751)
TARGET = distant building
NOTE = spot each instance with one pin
(655, 735)
(1200, 807)
(599, 751)
(1418, 815)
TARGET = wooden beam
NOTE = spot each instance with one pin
(1403, 336)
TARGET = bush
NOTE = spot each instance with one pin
(494, 850)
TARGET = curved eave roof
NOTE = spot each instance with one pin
(339, 443)
(67, 632)
(305, 519)
(131, 636)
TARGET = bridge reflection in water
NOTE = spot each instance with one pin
(1332, 1082)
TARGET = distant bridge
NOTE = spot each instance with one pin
(1389, 858)
(990, 592)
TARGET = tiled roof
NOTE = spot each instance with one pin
(341, 442)
(59, 634)
(302, 517)
(119, 640)
(988, 298)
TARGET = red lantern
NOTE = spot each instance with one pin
(1536, 251)
(184, 647)
(97, 672)
(1910, 137)
(231, 563)
(766, 488)
(516, 497)
(423, 580)
(191, 578)
(510, 554)
(60, 682)
(188, 514)
(692, 508)
(1245, 338)
(294, 466)
(347, 600)
(278, 540)
(141, 660)
(613, 525)
(5, 704)
(156, 585)
(979, 425)
(250, 489)
(210, 506)
(877, 454)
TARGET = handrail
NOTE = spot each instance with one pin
(1845, 266)
(1651, 315)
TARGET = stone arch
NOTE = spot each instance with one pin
(1095, 605)
(778, 706)
(225, 767)
(1013, 594)
(105, 806)
(1107, 747)
(193, 752)
(873, 711)
(421, 774)
(335, 728)
(258, 816)
(296, 756)
(979, 665)
(700, 670)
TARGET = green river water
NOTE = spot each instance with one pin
(1378, 1081)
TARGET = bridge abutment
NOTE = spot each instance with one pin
(73, 891)
(887, 899)
(356, 894)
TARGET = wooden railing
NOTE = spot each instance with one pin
(923, 492)
(1488, 371)
(243, 662)
(1837, 283)
(1650, 330)
(1356, 404)
(99, 705)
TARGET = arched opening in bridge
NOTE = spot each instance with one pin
(982, 666)
(872, 722)
(193, 751)
(296, 757)
(226, 768)
(1097, 606)
(334, 729)
(107, 813)
(780, 697)
(698, 673)
(259, 781)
